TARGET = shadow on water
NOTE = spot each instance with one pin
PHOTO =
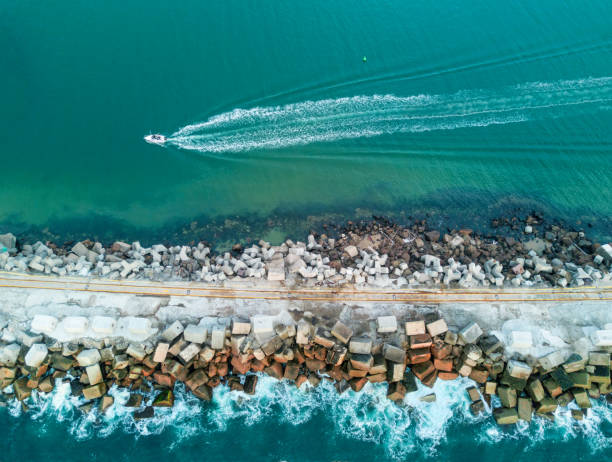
(445, 209)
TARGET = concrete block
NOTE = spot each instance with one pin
(189, 352)
(103, 325)
(393, 353)
(470, 333)
(88, 357)
(195, 334)
(172, 331)
(43, 324)
(241, 327)
(161, 351)
(415, 327)
(263, 327)
(217, 338)
(75, 325)
(518, 369)
(342, 332)
(362, 345)
(276, 270)
(36, 355)
(94, 374)
(136, 351)
(94, 391)
(599, 358)
(9, 354)
(80, 250)
(602, 338)
(438, 327)
(139, 326)
(386, 324)
(552, 360)
(520, 340)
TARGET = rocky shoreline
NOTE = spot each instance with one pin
(526, 253)
(103, 351)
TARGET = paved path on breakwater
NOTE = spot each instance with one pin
(268, 290)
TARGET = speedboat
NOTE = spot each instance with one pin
(156, 139)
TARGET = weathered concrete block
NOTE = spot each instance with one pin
(470, 333)
(520, 340)
(94, 374)
(362, 361)
(276, 270)
(504, 416)
(602, 338)
(103, 325)
(438, 327)
(360, 345)
(395, 372)
(396, 391)
(574, 363)
(217, 338)
(9, 354)
(161, 351)
(263, 327)
(552, 360)
(139, 326)
(518, 369)
(351, 251)
(94, 391)
(507, 396)
(599, 358)
(195, 333)
(386, 324)
(43, 324)
(173, 331)
(36, 355)
(393, 353)
(241, 327)
(88, 357)
(136, 351)
(76, 325)
(80, 250)
(342, 332)
(415, 327)
(189, 352)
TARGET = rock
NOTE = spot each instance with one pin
(43, 324)
(361, 345)
(173, 331)
(164, 399)
(471, 333)
(430, 398)
(504, 416)
(147, 413)
(386, 324)
(36, 355)
(195, 334)
(94, 391)
(342, 332)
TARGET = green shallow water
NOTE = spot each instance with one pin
(84, 82)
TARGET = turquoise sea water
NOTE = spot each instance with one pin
(461, 107)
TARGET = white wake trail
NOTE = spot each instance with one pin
(328, 120)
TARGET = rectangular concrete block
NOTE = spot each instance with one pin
(161, 351)
(241, 327)
(88, 357)
(36, 355)
(415, 327)
(139, 326)
(75, 325)
(360, 345)
(599, 358)
(9, 354)
(438, 327)
(518, 369)
(94, 391)
(94, 374)
(172, 331)
(393, 353)
(470, 333)
(386, 324)
(263, 327)
(195, 333)
(552, 360)
(520, 340)
(103, 325)
(43, 324)
(342, 332)
(136, 351)
(189, 352)
(602, 338)
(217, 338)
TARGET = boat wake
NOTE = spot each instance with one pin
(354, 117)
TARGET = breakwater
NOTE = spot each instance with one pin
(525, 253)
